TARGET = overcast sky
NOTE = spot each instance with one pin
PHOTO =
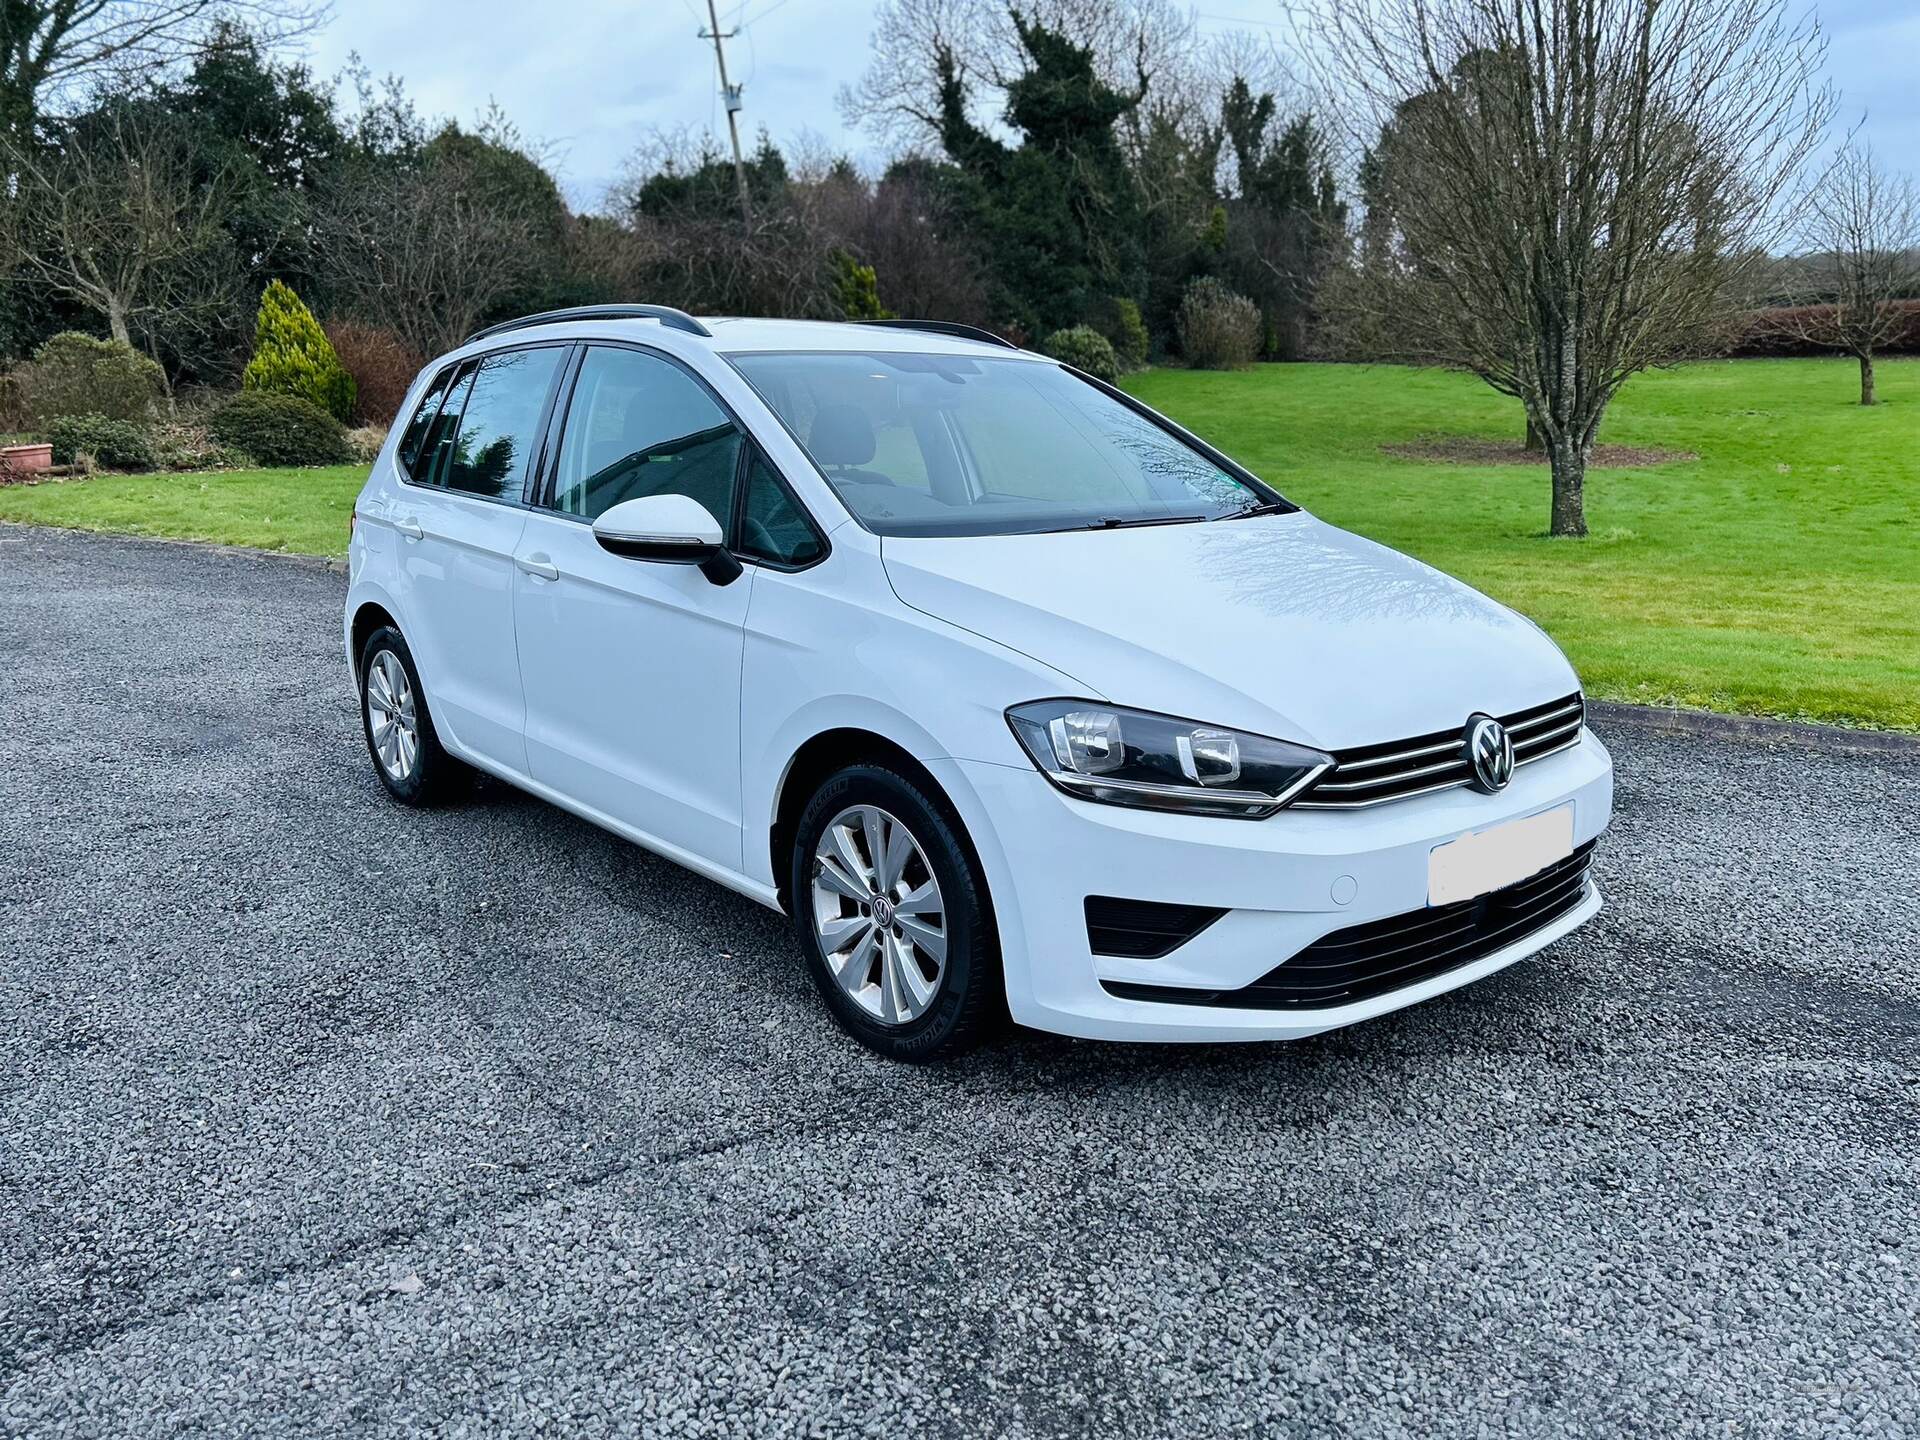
(588, 78)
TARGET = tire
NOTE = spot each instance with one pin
(422, 773)
(865, 982)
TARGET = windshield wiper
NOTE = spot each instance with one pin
(1263, 507)
(1127, 522)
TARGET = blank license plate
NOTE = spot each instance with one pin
(1491, 859)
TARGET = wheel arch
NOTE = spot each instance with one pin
(368, 617)
(833, 750)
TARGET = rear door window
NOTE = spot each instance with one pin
(500, 423)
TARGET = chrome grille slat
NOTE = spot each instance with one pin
(1399, 775)
(1375, 774)
(1545, 736)
(1564, 713)
(1449, 744)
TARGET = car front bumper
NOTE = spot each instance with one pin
(1285, 883)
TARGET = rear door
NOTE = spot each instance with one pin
(632, 668)
(460, 516)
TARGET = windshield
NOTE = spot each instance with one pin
(958, 445)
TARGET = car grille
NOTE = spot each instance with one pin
(1402, 768)
(1363, 961)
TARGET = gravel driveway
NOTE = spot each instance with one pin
(318, 1115)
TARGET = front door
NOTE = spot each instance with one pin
(631, 668)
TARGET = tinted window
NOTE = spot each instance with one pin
(499, 425)
(774, 527)
(638, 425)
(415, 436)
(431, 467)
(965, 445)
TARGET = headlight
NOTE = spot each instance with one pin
(1131, 757)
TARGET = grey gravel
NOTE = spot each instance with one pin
(321, 1116)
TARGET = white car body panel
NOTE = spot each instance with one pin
(631, 673)
(1244, 623)
(669, 709)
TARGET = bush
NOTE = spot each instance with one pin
(365, 443)
(292, 356)
(113, 444)
(280, 430)
(184, 444)
(1119, 320)
(382, 366)
(1084, 348)
(1783, 330)
(75, 374)
(15, 414)
(856, 289)
(1219, 330)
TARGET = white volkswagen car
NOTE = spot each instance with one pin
(1017, 697)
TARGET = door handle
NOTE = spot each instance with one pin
(409, 528)
(538, 564)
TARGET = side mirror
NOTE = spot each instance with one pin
(670, 529)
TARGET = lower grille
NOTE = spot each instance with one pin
(1363, 961)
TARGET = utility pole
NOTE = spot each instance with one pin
(732, 95)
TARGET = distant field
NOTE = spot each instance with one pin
(1778, 574)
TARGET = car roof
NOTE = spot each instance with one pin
(735, 335)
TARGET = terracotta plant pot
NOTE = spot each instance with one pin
(26, 459)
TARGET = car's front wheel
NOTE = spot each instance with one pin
(406, 752)
(894, 917)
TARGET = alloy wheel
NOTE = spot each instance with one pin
(391, 718)
(878, 915)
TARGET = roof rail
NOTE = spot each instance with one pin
(945, 327)
(665, 314)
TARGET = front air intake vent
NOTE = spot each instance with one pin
(1143, 929)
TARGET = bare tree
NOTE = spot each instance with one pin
(1571, 188)
(47, 46)
(113, 216)
(428, 251)
(1863, 232)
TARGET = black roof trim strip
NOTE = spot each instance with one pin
(945, 327)
(665, 314)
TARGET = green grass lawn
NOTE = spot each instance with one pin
(1779, 573)
(304, 511)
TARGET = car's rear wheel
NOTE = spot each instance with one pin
(892, 913)
(407, 754)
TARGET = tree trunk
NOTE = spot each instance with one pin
(117, 322)
(1569, 460)
(1536, 442)
(166, 382)
(1866, 380)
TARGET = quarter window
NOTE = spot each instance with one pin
(639, 425)
(773, 526)
(414, 438)
(431, 467)
(500, 423)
